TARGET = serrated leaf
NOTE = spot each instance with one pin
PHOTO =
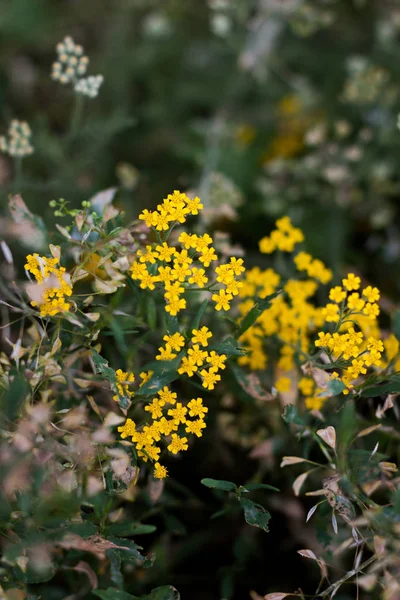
(255, 514)
(261, 304)
(219, 484)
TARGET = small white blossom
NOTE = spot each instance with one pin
(18, 141)
(89, 86)
(71, 62)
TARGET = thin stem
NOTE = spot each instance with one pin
(18, 175)
(76, 115)
(332, 588)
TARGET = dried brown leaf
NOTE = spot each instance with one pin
(328, 435)
(298, 482)
(368, 430)
(95, 544)
(292, 460)
(389, 403)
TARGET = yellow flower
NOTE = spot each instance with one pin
(354, 302)
(177, 444)
(178, 413)
(165, 354)
(314, 402)
(207, 256)
(351, 282)
(166, 396)
(175, 341)
(371, 294)
(200, 336)
(196, 408)
(331, 313)
(187, 366)
(195, 427)
(337, 294)
(165, 252)
(196, 355)
(371, 310)
(210, 378)
(222, 300)
(160, 472)
(217, 361)
(198, 277)
(283, 384)
(306, 386)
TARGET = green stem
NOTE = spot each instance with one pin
(76, 115)
(18, 176)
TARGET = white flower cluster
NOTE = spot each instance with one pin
(18, 141)
(89, 86)
(70, 67)
(71, 63)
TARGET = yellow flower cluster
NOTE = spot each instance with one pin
(314, 267)
(353, 351)
(177, 270)
(284, 237)
(195, 356)
(53, 284)
(169, 422)
(314, 398)
(124, 379)
(291, 318)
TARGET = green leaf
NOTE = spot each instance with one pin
(230, 347)
(101, 366)
(261, 304)
(158, 381)
(291, 415)
(171, 323)
(165, 592)
(196, 321)
(336, 387)
(131, 554)
(151, 312)
(255, 514)
(113, 594)
(260, 486)
(125, 529)
(16, 395)
(219, 484)
(390, 387)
